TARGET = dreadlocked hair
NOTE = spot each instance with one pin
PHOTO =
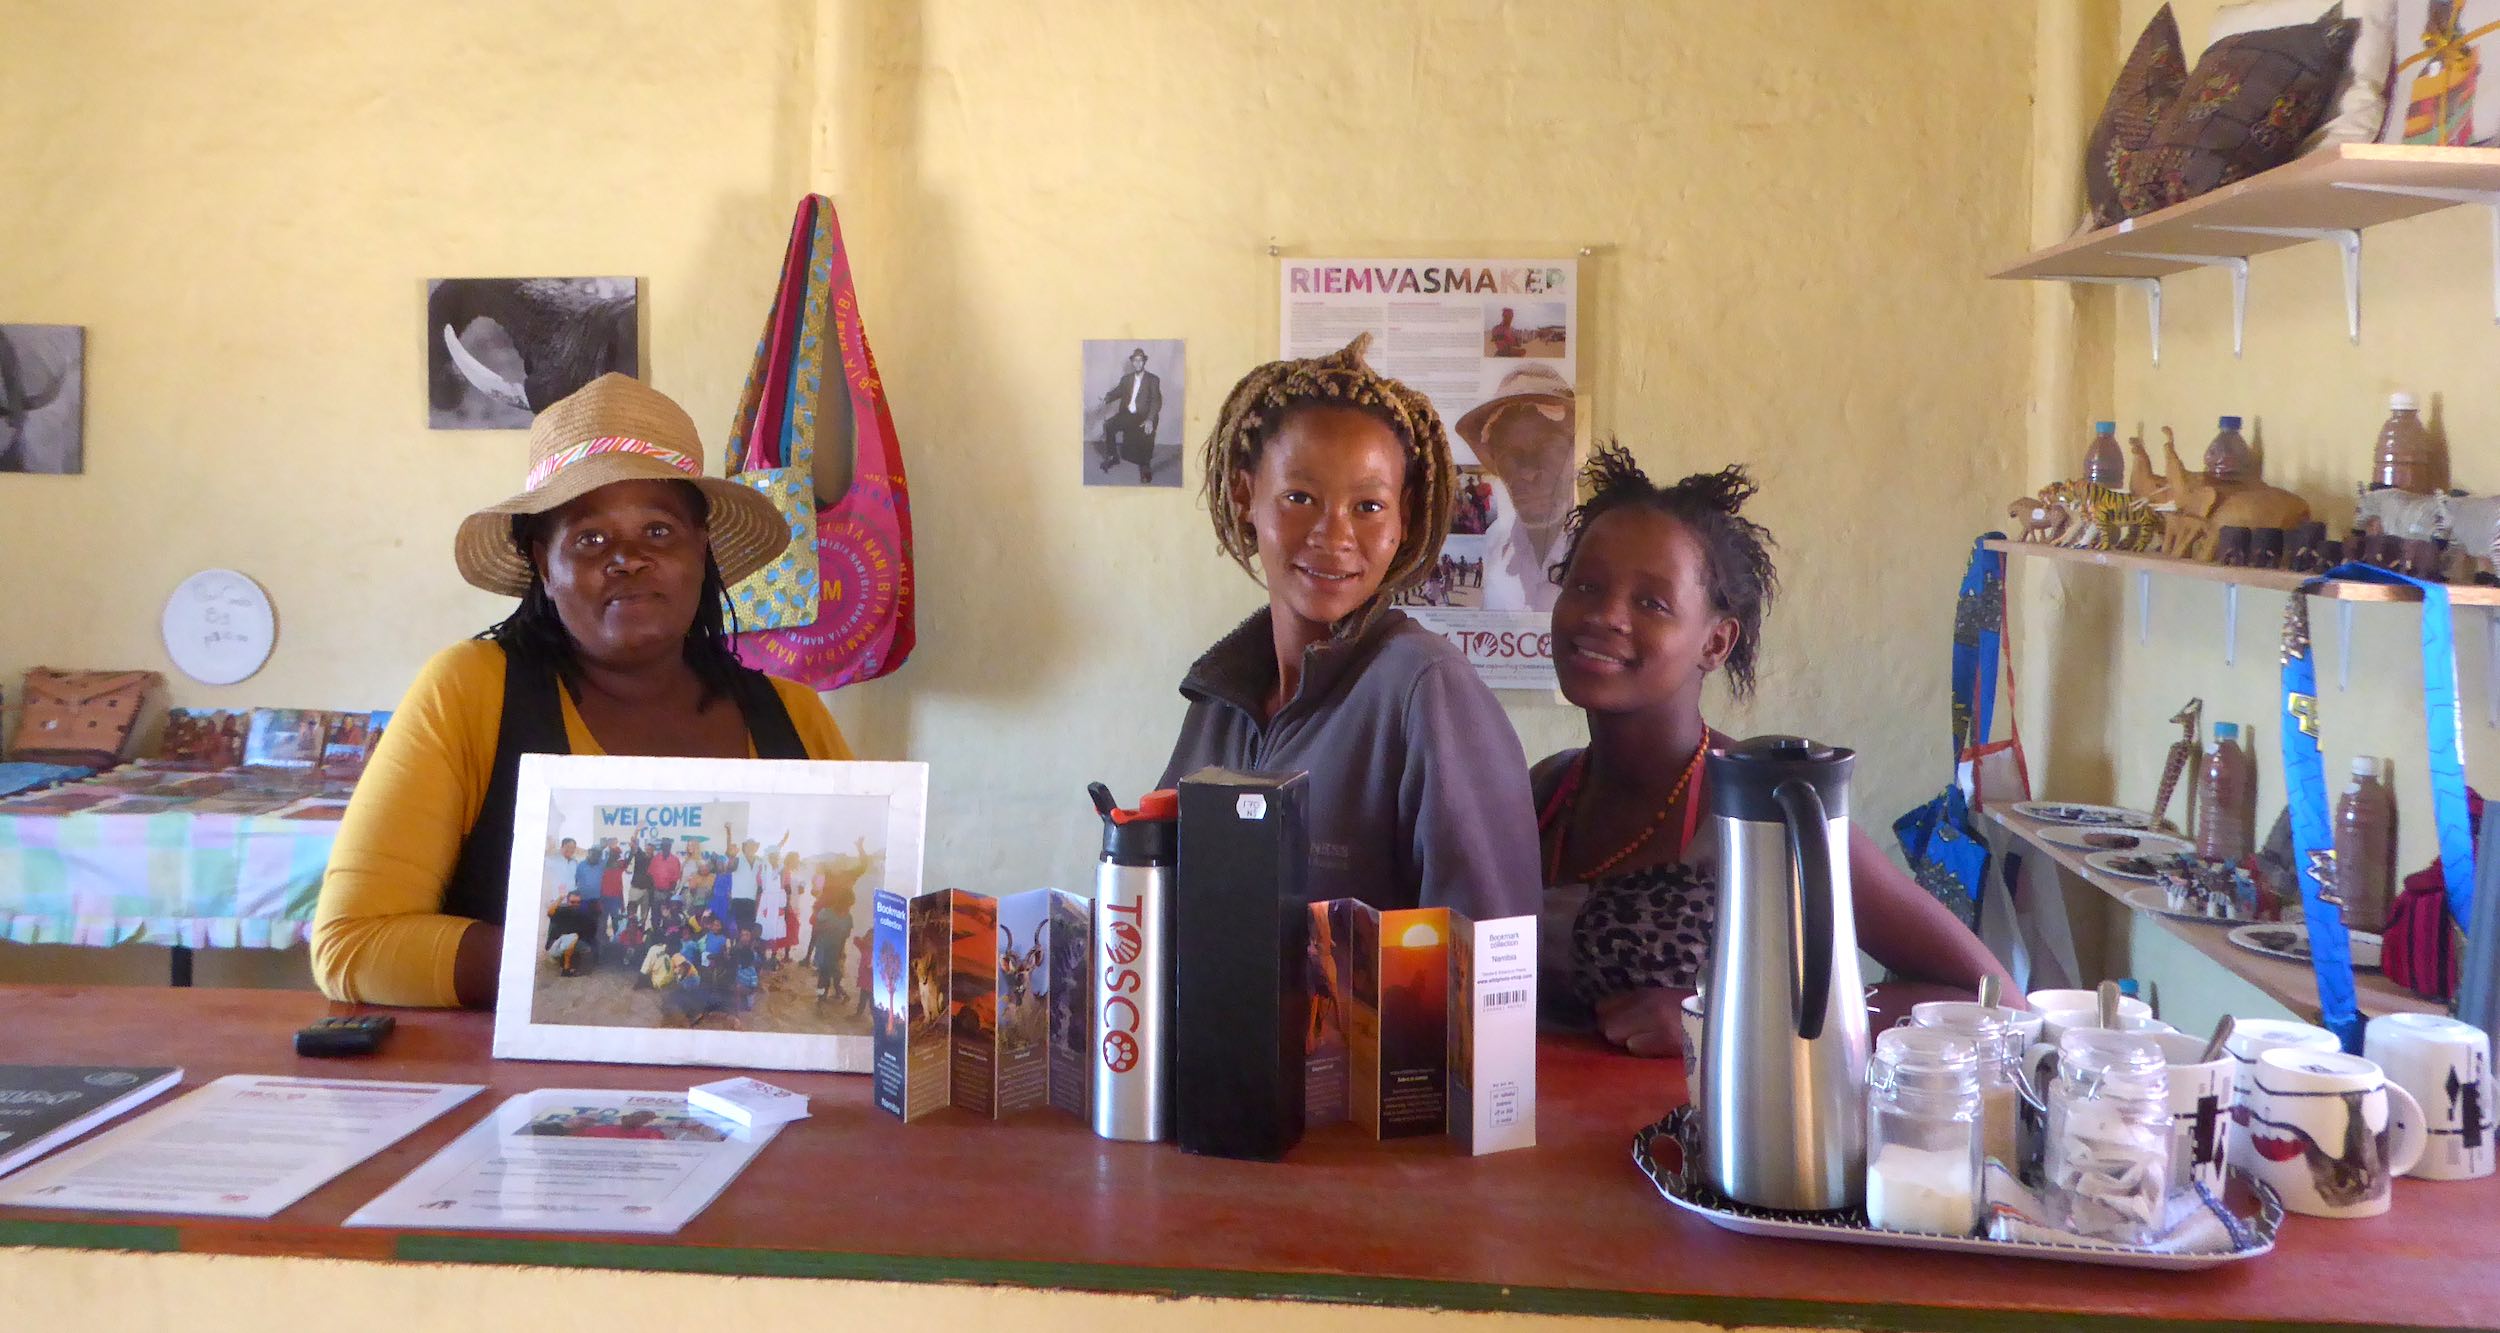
(1268, 397)
(535, 628)
(1736, 551)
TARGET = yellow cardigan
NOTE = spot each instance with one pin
(379, 935)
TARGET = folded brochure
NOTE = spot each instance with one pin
(45, 1106)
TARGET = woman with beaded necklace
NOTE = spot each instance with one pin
(1662, 586)
(1332, 485)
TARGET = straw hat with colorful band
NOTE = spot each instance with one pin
(616, 428)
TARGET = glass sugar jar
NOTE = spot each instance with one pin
(2000, 1047)
(2106, 1157)
(1923, 1132)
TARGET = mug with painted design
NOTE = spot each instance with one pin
(2329, 1132)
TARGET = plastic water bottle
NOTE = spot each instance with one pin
(2103, 463)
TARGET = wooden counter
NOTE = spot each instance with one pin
(1569, 1227)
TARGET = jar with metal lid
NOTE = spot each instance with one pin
(2000, 1047)
(2107, 1154)
(1923, 1159)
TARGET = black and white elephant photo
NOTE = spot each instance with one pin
(43, 372)
(500, 349)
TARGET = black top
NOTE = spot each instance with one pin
(532, 722)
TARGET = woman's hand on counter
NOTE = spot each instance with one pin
(1647, 1022)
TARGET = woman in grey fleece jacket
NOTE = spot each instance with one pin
(1331, 484)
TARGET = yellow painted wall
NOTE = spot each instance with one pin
(2314, 402)
(242, 201)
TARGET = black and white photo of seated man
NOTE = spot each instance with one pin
(1133, 417)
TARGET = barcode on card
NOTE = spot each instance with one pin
(1504, 999)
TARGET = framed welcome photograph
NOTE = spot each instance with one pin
(701, 911)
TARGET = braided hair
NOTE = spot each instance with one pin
(1268, 397)
(535, 628)
(1736, 551)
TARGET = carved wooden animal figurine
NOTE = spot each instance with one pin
(2474, 533)
(2400, 513)
(2191, 722)
(2083, 516)
(2214, 505)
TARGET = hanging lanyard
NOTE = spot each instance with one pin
(2304, 781)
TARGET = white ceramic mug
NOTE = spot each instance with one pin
(2056, 1023)
(2330, 1132)
(1693, 1012)
(2446, 1065)
(2049, 1001)
(2253, 1037)
(2202, 1093)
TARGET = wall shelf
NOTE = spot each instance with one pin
(2329, 195)
(2289, 984)
(2278, 580)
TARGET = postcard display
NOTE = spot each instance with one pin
(981, 1003)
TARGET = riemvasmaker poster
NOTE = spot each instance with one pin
(1495, 344)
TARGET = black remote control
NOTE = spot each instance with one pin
(361, 1035)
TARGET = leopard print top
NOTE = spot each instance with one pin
(1650, 927)
(1644, 928)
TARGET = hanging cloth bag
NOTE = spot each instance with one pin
(837, 608)
(1945, 851)
(2304, 783)
(772, 441)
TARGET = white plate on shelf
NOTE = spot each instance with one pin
(2151, 899)
(2140, 866)
(2081, 815)
(2082, 839)
(2289, 940)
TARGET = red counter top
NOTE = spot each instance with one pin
(1569, 1227)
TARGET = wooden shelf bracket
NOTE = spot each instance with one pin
(2151, 287)
(2230, 624)
(2237, 264)
(2347, 240)
(2144, 606)
(2489, 199)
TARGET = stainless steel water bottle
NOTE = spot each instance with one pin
(1133, 967)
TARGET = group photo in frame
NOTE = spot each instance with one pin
(701, 911)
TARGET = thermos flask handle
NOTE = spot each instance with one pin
(1810, 903)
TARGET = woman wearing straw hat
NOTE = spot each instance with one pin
(619, 548)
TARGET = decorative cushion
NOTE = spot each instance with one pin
(2359, 106)
(2444, 48)
(2146, 87)
(2246, 107)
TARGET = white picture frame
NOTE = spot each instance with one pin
(568, 1003)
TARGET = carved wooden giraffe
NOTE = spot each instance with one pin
(2182, 751)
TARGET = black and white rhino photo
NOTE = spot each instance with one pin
(500, 349)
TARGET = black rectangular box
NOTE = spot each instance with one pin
(1240, 927)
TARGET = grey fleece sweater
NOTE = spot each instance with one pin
(1419, 789)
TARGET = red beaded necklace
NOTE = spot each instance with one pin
(1557, 815)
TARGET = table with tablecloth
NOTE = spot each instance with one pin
(156, 856)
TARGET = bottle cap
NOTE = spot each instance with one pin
(2104, 427)
(2230, 423)
(2402, 402)
(2363, 766)
(2226, 731)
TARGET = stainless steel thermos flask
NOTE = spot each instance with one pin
(1783, 1061)
(1133, 967)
